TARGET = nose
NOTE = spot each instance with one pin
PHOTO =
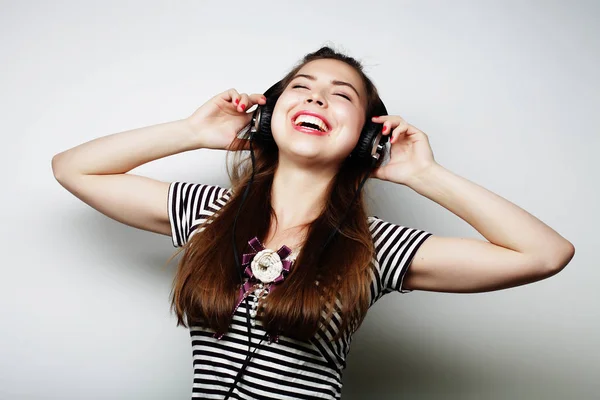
(315, 98)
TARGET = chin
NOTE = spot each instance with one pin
(300, 151)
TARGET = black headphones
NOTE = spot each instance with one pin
(370, 146)
(368, 150)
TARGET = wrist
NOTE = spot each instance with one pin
(192, 135)
(426, 178)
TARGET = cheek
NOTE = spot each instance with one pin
(349, 114)
(353, 122)
(278, 119)
(353, 133)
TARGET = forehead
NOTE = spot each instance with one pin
(329, 70)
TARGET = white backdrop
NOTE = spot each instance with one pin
(508, 93)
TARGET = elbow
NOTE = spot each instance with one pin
(560, 258)
(57, 169)
(61, 170)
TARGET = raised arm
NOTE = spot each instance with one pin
(97, 171)
(520, 248)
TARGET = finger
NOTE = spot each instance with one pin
(401, 129)
(230, 95)
(389, 122)
(379, 118)
(243, 104)
(387, 128)
(256, 98)
(382, 118)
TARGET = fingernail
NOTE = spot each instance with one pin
(243, 106)
(237, 101)
(384, 129)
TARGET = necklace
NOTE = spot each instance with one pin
(264, 269)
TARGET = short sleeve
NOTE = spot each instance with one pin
(395, 247)
(190, 205)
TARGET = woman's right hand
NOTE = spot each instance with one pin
(218, 121)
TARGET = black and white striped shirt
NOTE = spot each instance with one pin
(287, 369)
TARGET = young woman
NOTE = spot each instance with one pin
(276, 320)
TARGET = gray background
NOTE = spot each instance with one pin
(508, 93)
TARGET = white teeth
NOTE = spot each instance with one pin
(311, 120)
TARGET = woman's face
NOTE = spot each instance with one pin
(320, 114)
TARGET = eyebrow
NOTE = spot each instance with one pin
(333, 82)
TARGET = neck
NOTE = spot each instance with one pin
(298, 194)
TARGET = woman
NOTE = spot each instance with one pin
(277, 320)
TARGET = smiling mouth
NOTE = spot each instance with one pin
(310, 124)
(310, 131)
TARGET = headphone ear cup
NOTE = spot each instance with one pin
(261, 122)
(371, 143)
(362, 149)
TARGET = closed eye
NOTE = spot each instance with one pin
(345, 96)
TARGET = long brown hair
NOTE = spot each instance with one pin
(319, 284)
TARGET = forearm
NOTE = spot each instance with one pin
(497, 219)
(121, 152)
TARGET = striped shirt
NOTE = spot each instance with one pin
(289, 368)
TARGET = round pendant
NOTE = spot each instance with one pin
(266, 265)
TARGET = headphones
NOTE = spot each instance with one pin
(370, 146)
(368, 150)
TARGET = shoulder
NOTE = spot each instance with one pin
(196, 191)
(195, 198)
(385, 231)
(395, 248)
(190, 204)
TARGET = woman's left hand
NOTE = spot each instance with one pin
(410, 153)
